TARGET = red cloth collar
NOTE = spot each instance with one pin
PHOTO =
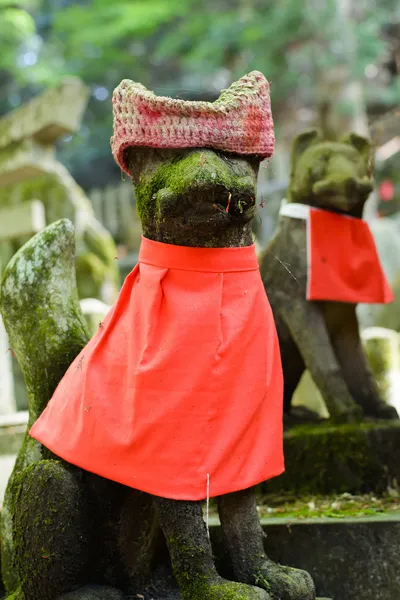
(343, 262)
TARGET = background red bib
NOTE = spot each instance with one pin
(182, 383)
(344, 265)
(342, 259)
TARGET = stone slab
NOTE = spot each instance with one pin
(349, 559)
(56, 112)
(23, 220)
(327, 459)
(13, 419)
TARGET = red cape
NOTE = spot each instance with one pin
(182, 383)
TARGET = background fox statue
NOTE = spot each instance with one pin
(327, 262)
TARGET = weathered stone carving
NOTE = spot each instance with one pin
(321, 336)
(64, 528)
(30, 171)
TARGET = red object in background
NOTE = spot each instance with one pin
(344, 264)
(386, 190)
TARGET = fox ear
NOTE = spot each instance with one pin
(302, 142)
(360, 143)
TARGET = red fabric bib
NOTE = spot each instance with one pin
(344, 265)
(182, 385)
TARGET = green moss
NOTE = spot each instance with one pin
(90, 271)
(98, 243)
(197, 585)
(283, 582)
(322, 169)
(17, 595)
(41, 312)
(200, 588)
(326, 458)
(176, 177)
(346, 430)
(40, 308)
(47, 518)
(335, 506)
(263, 583)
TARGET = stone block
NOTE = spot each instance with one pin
(326, 458)
(24, 161)
(56, 112)
(23, 220)
(349, 559)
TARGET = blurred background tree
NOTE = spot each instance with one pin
(313, 53)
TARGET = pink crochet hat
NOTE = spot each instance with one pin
(240, 121)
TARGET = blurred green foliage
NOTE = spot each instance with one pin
(186, 48)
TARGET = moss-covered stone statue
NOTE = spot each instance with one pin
(320, 263)
(29, 170)
(169, 402)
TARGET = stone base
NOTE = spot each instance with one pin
(349, 559)
(104, 593)
(325, 459)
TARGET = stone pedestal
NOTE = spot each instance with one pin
(326, 459)
(349, 559)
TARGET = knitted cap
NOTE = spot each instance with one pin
(240, 121)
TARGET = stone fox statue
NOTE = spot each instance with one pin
(320, 263)
(169, 402)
